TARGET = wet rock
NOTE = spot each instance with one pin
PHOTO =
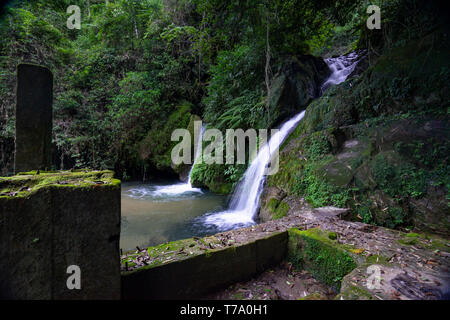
(296, 83)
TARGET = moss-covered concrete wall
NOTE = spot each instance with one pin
(318, 252)
(202, 272)
(49, 221)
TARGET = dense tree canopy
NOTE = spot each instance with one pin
(134, 65)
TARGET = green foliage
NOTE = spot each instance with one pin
(234, 91)
(398, 179)
(316, 146)
(212, 176)
(316, 190)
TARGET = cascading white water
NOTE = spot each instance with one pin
(341, 67)
(244, 204)
(245, 201)
(198, 151)
(173, 189)
(179, 188)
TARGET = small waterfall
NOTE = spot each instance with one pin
(172, 190)
(198, 143)
(244, 204)
(341, 67)
(179, 188)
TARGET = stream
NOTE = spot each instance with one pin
(167, 211)
(161, 212)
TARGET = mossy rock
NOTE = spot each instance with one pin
(281, 211)
(157, 146)
(314, 251)
(183, 169)
(276, 209)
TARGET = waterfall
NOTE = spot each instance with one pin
(244, 203)
(341, 67)
(180, 188)
(198, 152)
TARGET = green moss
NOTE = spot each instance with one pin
(173, 251)
(355, 293)
(332, 235)
(238, 296)
(408, 241)
(376, 259)
(412, 235)
(281, 211)
(272, 204)
(314, 251)
(24, 184)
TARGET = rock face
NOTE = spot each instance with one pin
(183, 169)
(51, 221)
(33, 118)
(294, 86)
(377, 144)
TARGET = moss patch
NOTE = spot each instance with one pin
(23, 184)
(314, 251)
(281, 211)
(278, 209)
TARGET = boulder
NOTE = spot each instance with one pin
(297, 82)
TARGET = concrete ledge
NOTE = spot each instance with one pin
(51, 220)
(203, 272)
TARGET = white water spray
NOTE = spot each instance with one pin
(341, 67)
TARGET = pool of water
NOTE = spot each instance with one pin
(155, 213)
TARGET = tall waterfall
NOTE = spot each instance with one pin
(244, 203)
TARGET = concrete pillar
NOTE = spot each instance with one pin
(33, 118)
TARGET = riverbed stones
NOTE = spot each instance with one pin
(33, 118)
(53, 220)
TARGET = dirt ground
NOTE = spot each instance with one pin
(279, 283)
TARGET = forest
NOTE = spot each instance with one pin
(136, 70)
(373, 142)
